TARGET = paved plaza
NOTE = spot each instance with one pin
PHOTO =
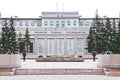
(29, 64)
(32, 64)
(58, 77)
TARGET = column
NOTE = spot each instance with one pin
(45, 47)
(65, 45)
(75, 46)
(55, 46)
(84, 46)
(36, 47)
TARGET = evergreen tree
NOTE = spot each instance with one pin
(27, 39)
(90, 38)
(95, 36)
(114, 38)
(118, 39)
(0, 42)
(8, 38)
(99, 36)
(13, 42)
(102, 39)
(109, 36)
(21, 46)
(5, 38)
(21, 43)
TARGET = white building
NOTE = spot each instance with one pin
(55, 33)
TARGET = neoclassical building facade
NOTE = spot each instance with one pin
(55, 33)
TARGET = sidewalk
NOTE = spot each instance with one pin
(32, 64)
(59, 77)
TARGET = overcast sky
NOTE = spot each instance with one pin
(33, 8)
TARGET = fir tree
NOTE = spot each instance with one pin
(21, 46)
(21, 43)
(95, 37)
(118, 39)
(5, 38)
(8, 38)
(109, 36)
(13, 42)
(0, 42)
(90, 40)
(114, 38)
(27, 39)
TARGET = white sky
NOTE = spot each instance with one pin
(33, 8)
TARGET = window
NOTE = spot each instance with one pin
(3, 23)
(51, 23)
(74, 22)
(68, 22)
(57, 15)
(26, 23)
(57, 23)
(63, 23)
(87, 23)
(20, 23)
(81, 23)
(38, 23)
(32, 23)
(45, 23)
(14, 23)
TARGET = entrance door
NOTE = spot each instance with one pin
(80, 46)
(31, 47)
(40, 45)
(60, 46)
(70, 46)
(50, 46)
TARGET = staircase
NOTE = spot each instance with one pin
(59, 72)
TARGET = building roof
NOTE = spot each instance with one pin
(73, 12)
(60, 14)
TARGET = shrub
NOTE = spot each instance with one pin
(80, 56)
(40, 56)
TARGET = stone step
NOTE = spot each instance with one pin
(7, 72)
(59, 72)
(112, 72)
